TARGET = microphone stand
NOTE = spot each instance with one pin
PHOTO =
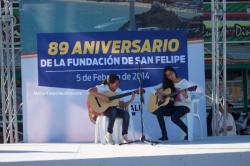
(143, 138)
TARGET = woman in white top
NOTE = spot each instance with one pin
(181, 101)
(112, 84)
(166, 110)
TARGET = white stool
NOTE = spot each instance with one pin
(101, 129)
(189, 117)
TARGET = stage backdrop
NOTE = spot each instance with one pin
(62, 58)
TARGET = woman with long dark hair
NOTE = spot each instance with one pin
(179, 107)
(182, 100)
(112, 84)
(166, 110)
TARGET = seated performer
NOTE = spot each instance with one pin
(112, 84)
(178, 105)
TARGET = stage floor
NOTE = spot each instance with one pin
(211, 151)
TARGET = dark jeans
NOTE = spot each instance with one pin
(114, 112)
(176, 112)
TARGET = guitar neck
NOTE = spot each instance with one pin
(176, 93)
(120, 95)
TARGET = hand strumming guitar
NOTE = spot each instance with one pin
(159, 94)
(93, 91)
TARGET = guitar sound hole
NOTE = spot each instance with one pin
(98, 103)
(161, 101)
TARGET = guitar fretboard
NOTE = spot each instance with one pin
(192, 88)
(120, 95)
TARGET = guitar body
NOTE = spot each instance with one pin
(155, 102)
(100, 106)
(92, 114)
(96, 106)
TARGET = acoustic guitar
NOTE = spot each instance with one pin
(165, 95)
(96, 106)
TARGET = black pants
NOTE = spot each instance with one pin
(176, 112)
(114, 112)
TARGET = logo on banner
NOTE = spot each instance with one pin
(82, 60)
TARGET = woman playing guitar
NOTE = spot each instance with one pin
(179, 105)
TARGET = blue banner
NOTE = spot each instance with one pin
(83, 60)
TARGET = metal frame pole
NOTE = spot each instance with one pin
(8, 78)
(219, 74)
(225, 66)
(132, 26)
